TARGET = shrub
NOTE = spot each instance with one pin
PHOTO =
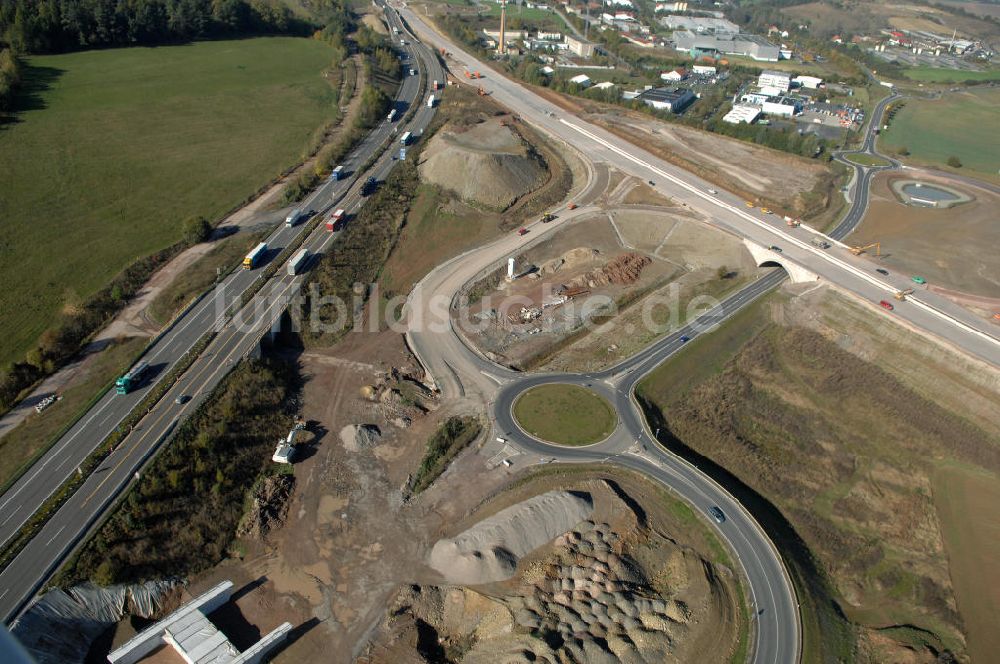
(954, 162)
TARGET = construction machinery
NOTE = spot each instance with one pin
(793, 223)
(901, 295)
(482, 92)
(749, 204)
(857, 251)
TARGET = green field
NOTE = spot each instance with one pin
(937, 75)
(964, 124)
(113, 149)
(565, 414)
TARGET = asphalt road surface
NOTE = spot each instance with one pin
(47, 550)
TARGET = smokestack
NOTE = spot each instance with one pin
(503, 27)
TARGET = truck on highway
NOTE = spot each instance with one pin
(405, 138)
(130, 380)
(819, 242)
(391, 116)
(434, 84)
(334, 220)
(295, 265)
(255, 256)
(430, 102)
(337, 173)
(293, 217)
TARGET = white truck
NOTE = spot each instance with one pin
(295, 265)
(293, 217)
(430, 102)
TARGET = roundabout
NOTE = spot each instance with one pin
(564, 414)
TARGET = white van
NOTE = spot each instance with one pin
(293, 217)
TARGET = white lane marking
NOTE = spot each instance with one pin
(61, 528)
(777, 231)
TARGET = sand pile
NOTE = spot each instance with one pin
(489, 551)
(357, 437)
(571, 259)
(487, 165)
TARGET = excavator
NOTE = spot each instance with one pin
(901, 295)
(857, 251)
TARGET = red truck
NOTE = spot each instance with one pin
(333, 221)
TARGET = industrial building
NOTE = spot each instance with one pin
(674, 100)
(582, 80)
(775, 79)
(699, 24)
(783, 106)
(742, 113)
(726, 43)
(581, 47)
(809, 82)
(704, 70)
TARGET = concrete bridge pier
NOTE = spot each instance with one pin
(765, 257)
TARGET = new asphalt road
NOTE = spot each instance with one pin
(459, 371)
(236, 338)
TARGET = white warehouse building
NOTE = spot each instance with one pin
(775, 79)
(742, 113)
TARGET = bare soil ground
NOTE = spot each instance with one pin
(779, 180)
(848, 446)
(684, 260)
(350, 541)
(654, 580)
(440, 225)
(953, 248)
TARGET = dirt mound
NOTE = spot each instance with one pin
(571, 259)
(626, 269)
(487, 165)
(268, 507)
(489, 551)
(601, 593)
(357, 437)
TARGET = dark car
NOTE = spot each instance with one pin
(775, 248)
(716, 514)
(685, 339)
(182, 399)
(882, 271)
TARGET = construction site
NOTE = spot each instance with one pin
(603, 287)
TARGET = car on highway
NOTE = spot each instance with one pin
(571, 206)
(522, 231)
(685, 338)
(886, 304)
(712, 191)
(882, 271)
(182, 399)
(775, 248)
(652, 184)
(918, 280)
(716, 514)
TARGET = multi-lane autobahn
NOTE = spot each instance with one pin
(234, 339)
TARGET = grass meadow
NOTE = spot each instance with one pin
(962, 124)
(111, 150)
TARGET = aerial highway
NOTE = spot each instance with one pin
(458, 371)
(924, 311)
(235, 339)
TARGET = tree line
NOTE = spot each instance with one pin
(53, 26)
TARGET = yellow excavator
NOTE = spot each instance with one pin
(901, 295)
(857, 251)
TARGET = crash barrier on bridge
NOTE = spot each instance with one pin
(762, 255)
(194, 637)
